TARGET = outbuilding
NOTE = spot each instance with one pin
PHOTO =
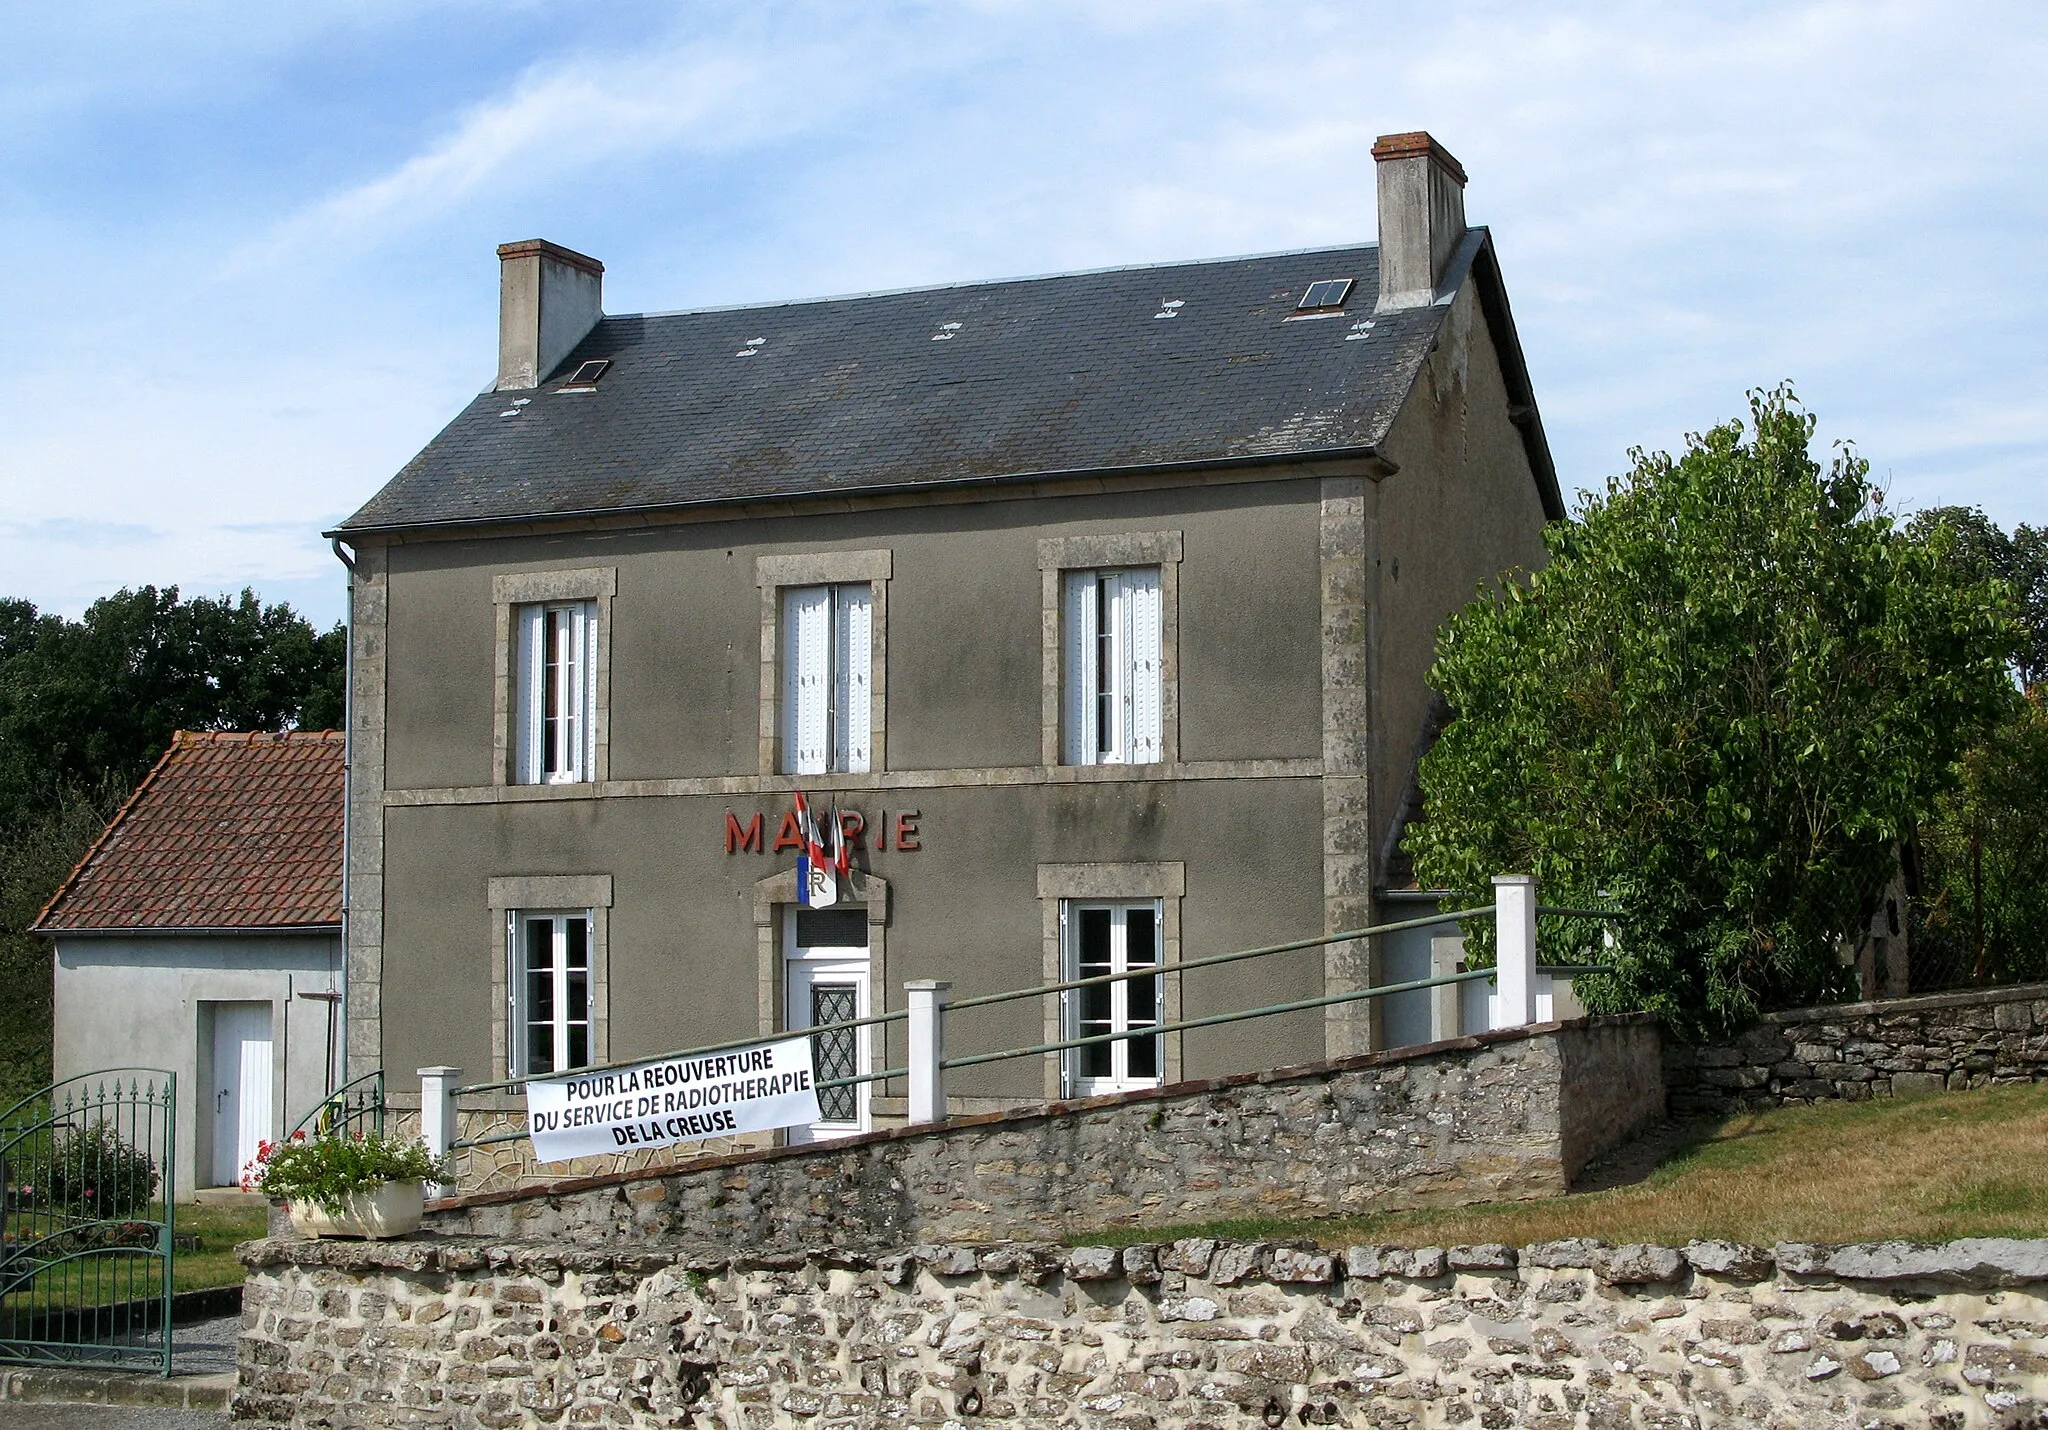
(201, 934)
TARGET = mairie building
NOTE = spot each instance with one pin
(1092, 613)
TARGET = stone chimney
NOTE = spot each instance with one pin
(1422, 216)
(548, 298)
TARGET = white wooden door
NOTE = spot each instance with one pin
(827, 982)
(241, 1086)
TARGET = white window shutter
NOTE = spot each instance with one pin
(1077, 667)
(1141, 652)
(529, 665)
(806, 672)
(586, 689)
(853, 676)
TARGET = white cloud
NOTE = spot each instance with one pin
(1689, 200)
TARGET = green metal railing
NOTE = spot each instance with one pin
(1045, 990)
(352, 1109)
(87, 1235)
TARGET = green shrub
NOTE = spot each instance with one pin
(89, 1172)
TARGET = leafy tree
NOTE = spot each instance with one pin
(1983, 912)
(87, 702)
(1731, 693)
(35, 855)
(1976, 547)
(86, 707)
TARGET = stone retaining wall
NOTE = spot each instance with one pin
(1496, 1117)
(1903, 1046)
(1193, 1335)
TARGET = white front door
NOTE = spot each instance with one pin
(241, 1086)
(827, 982)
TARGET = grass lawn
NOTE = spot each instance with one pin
(1921, 1169)
(219, 1229)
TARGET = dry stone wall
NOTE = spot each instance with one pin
(1192, 1335)
(1495, 1117)
(1900, 1047)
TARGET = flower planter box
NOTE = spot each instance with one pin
(391, 1209)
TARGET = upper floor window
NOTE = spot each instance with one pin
(827, 678)
(557, 686)
(1111, 667)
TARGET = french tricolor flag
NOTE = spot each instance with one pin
(825, 859)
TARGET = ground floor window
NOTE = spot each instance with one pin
(550, 986)
(826, 981)
(1111, 939)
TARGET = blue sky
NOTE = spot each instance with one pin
(248, 250)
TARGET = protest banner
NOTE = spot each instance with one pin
(658, 1104)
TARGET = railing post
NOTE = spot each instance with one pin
(926, 999)
(437, 1112)
(1514, 928)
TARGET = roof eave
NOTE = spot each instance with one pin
(1522, 409)
(189, 931)
(455, 526)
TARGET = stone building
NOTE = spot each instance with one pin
(1097, 606)
(201, 935)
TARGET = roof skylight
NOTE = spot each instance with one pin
(584, 379)
(1328, 293)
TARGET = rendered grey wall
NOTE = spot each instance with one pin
(684, 953)
(963, 640)
(1463, 509)
(126, 1002)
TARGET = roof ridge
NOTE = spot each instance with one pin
(189, 738)
(994, 282)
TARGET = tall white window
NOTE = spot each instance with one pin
(557, 688)
(550, 988)
(827, 678)
(1112, 939)
(1111, 667)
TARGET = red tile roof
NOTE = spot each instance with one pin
(229, 831)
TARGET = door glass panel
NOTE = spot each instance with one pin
(834, 1053)
(1097, 1002)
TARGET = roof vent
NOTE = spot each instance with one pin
(1329, 293)
(584, 379)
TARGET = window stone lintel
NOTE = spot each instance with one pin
(1112, 881)
(551, 891)
(822, 568)
(526, 588)
(1124, 548)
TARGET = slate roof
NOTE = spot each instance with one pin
(1133, 368)
(228, 831)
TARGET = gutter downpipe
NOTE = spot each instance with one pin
(348, 745)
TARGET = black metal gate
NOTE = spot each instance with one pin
(86, 1237)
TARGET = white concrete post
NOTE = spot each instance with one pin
(926, 998)
(437, 1115)
(1514, 927)
(1446, 952)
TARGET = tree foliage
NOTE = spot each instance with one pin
(95, 701)
(1729, 695)
(86, 707)
(1983, 912)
